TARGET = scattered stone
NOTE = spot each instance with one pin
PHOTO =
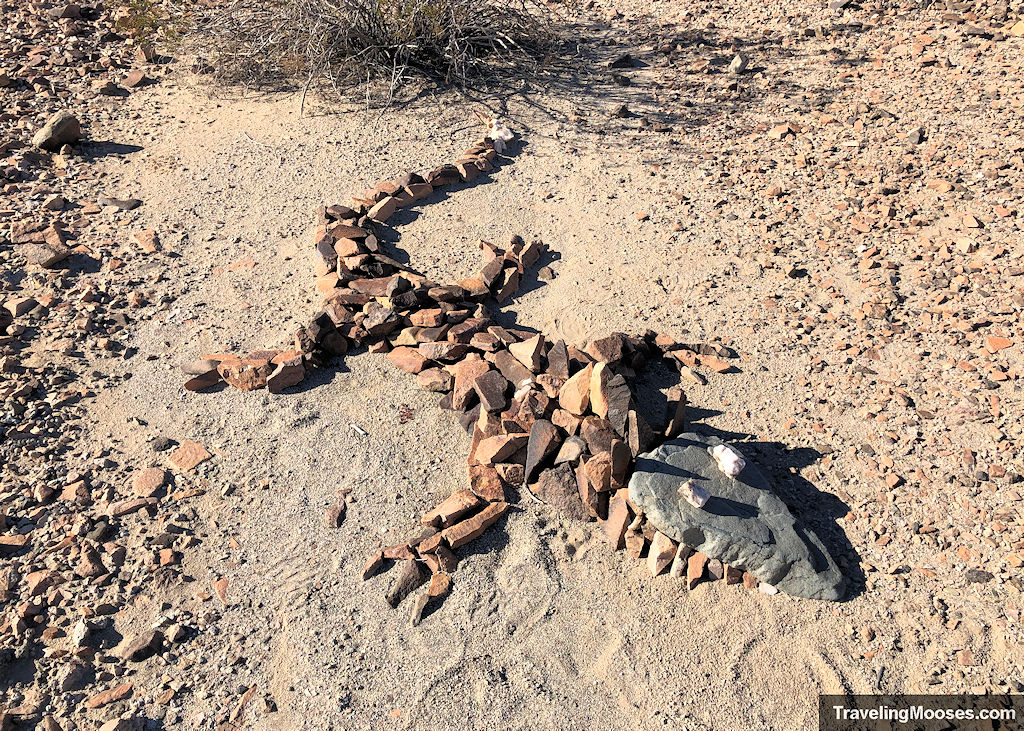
(61, 129)
(412, 576)
(147, 483)
(188, 456)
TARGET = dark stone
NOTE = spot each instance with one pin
(744, 524)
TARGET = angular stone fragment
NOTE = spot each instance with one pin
(46, 254)
(334, 515)
(148, 482)
(733, 575)
(144, 646)
(471, 528)
(383, 209)
(569, 423)
(287, 372)
(574, 396)
(458, 504)
(609, 349)
(60, 129)
(544, 439)
(434, 379)
(208, 379)
(110, 696)
(409, 360)
(558, 487)
(443, 350)
(598, 434)
(148, 240)
(499, 448)
(744, 524)
(676, 413)
(621, 459)
(716, 569)
(485, 481)
(639, 436)
(661, 553)
(635, 543)
(529, 352)
(619, 518)
(466, 372)
(516, 373)
(440, 585)
(188, 456)
(411, 576)
(490, 388)
(678, 568)
(598, 470)
(590, 497)
(610, 397)
(571, 450)
(695, 569)
(373, 566)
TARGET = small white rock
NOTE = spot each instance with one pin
(767, 588)
(694, 494)
(728, 459)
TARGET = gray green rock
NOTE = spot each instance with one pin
(744, 523)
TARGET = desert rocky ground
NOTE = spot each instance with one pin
(845, 215)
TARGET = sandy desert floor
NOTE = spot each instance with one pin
(858, 293)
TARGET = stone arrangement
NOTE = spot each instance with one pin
(559, 421)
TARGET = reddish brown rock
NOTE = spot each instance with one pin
(661, 553)
(610, 397)
(499, 448)
(148, 482)
(382, 211)
(112, 695)
(490, 388)
(208, 379)
(147, 240)
(290, 371)
(608, 349)
(570, 423)
(444, 351)
(464, 532)
(558, 487)
(485, 482)
(619, 518)
(458, 504)
(592, 500)
(733, 575)
(574, 396)
(408, 359)
(695, 569)
(188, 456)
(466, 372)
(515, 372)
(676, 413)
(334, 515)
(639, 436)
(598, 470)
(373, 566)
(434, 379)
(544, 440)
(529, 352)
(411, 576)
(598, 434)
(635, 543)
(621, 459)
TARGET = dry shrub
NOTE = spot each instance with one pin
(356, 45)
